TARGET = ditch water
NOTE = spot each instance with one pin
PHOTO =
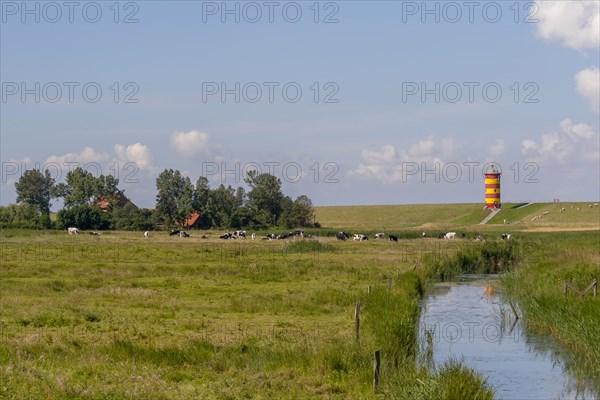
(467, 320)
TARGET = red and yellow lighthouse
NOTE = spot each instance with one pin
(492, 187)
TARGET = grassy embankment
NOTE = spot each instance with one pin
(574, 322)
(119, 316)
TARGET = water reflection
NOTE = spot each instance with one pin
(468, 320)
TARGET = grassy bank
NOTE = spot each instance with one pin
(572, 321)
(118, 316)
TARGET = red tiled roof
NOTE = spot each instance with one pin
(191, 219)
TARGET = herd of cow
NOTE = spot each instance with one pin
(286, 235)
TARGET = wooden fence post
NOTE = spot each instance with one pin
(390, 284)
(376, 362)
(369, 289)
(357, 321)
(512, 308)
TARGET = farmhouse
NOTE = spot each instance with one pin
(192, 221)
(120, 201)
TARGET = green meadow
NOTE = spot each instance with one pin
(119, 316)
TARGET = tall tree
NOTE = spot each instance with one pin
(304, 211)
(265, 196)
(174, 201)
(80, 188)
(106, 186)
(35, 188)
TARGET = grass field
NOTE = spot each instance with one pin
(122, 317)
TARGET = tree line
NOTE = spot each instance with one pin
(91, 202)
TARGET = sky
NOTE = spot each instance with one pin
(347, 102)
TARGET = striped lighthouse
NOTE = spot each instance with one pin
(492, 187)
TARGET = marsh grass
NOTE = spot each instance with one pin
(117, 316)
(572, 321)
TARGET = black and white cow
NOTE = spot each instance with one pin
(342, 236)
(505, 236)
(379, 235)
(359, 237)
(184, 234)
(393, 238)
(174, 232)
(73, 231)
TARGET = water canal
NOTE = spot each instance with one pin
(468, 320)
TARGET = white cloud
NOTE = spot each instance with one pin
(391, 165)
(588, 85)
(573, 143)
(87, 155)
(190, 144)
(574, 24)
(137, 153)
(388, 155)
(497, 148)
(578, 130)
(528, 146)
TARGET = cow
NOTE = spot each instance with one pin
(441, 236)
(184, 234)
(73, 231)
(341, 236)
(505, 236)
(94, 233)
(240, 234)
(146, 234)
(226, 236)
(204, 237)
(462, 236)
(379, 235)
(393, 238)
(424, 234)
(360, 237)
(174, 232)
(298, 233)
(450, 235)
(478, 238)
(284, 235)
(253, 236)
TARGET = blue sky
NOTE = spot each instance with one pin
(363, 138)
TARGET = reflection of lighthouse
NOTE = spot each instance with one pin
(492, 187)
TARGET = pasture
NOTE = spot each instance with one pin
(122, 316)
